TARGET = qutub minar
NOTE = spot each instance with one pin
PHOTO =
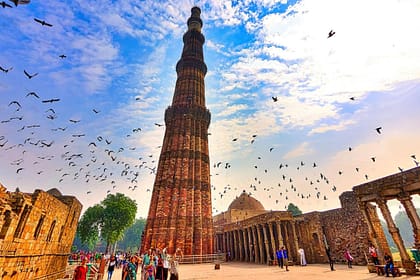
(180, 213)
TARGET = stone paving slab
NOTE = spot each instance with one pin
(247, 271)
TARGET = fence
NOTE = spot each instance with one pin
(193, 259)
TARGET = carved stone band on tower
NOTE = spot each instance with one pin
(180, 212)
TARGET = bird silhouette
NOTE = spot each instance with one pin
(43, 22)
(6, 70)
(51, 100)
(17, 103)
(378, 129)
(32, 94)
(373, 159)
(29, 75)
(62, 56)
(275, 99)
(4, 5)
(158, 124)
(331, 33)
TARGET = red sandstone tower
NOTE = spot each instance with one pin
(180, 213)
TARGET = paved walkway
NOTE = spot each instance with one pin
(246, 271)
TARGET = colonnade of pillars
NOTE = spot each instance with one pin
(410, 209)
(258, 243)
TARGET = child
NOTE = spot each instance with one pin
(173, 269)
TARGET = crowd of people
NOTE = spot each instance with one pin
(157, 264)
(154, 264)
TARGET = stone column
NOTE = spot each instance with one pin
(250, 244)
(395, 233)
(273, 242)
(254, 244)
(295, 238)
(407, 202)
(279, 235)
(260, 245)
(267, 247)
(241, 245)
(245, 245)
(229, 246)
(371, 229)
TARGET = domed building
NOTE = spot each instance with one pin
(247, 232)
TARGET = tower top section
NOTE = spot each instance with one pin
(195, 22)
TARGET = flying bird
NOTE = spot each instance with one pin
(5, 70)
(95, 111)
(51, 100)
(373, 159)
(352, 98)
(4, 5)
(28, 75)
(17, 103)
(32, 93)
(42, 22)
(331, 33)
(275, 99)
(158, 124)
(378, 129)
(62, 56)
(16, 2)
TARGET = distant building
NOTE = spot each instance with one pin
(252, 234)
(36, 233)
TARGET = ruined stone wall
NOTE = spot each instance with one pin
(346, 228)
(36, 233)
(310, 237)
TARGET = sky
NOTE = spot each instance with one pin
(85, 124)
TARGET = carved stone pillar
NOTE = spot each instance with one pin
(229, 245)
(245, 245)
(395, 233)
(256, 246)
(260, 245)
(273, 242)
(412, 215)
(295, 237)
(241, 245)
(279, 235)
(250, 245)
(266, 241)
(235, 245)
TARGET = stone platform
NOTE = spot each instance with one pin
(240, 271)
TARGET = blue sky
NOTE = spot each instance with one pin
(120, 61)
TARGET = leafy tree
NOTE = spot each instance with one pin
(294, 209)
(132, 236)
(119, 214)
(89, 226)
(107, 220)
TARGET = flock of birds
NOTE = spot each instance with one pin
(95, 162)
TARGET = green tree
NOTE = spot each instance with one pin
(89, 226)
(132, 236)
(119, 214)
(107, 220)
(294, 209)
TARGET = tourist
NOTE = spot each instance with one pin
(279, 258)
(111, 266)
(129, 270)
(81, 270)
(330, 259)
(348, 258)
(284, 258)
(150, 271)
(173, 269)
(302, 256)
(389, 265)
(159, 266)
(165, 257)
(374, 254)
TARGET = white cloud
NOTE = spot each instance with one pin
(301, 150)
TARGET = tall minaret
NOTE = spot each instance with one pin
(180, 213)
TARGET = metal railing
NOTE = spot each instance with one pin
(193, 259)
